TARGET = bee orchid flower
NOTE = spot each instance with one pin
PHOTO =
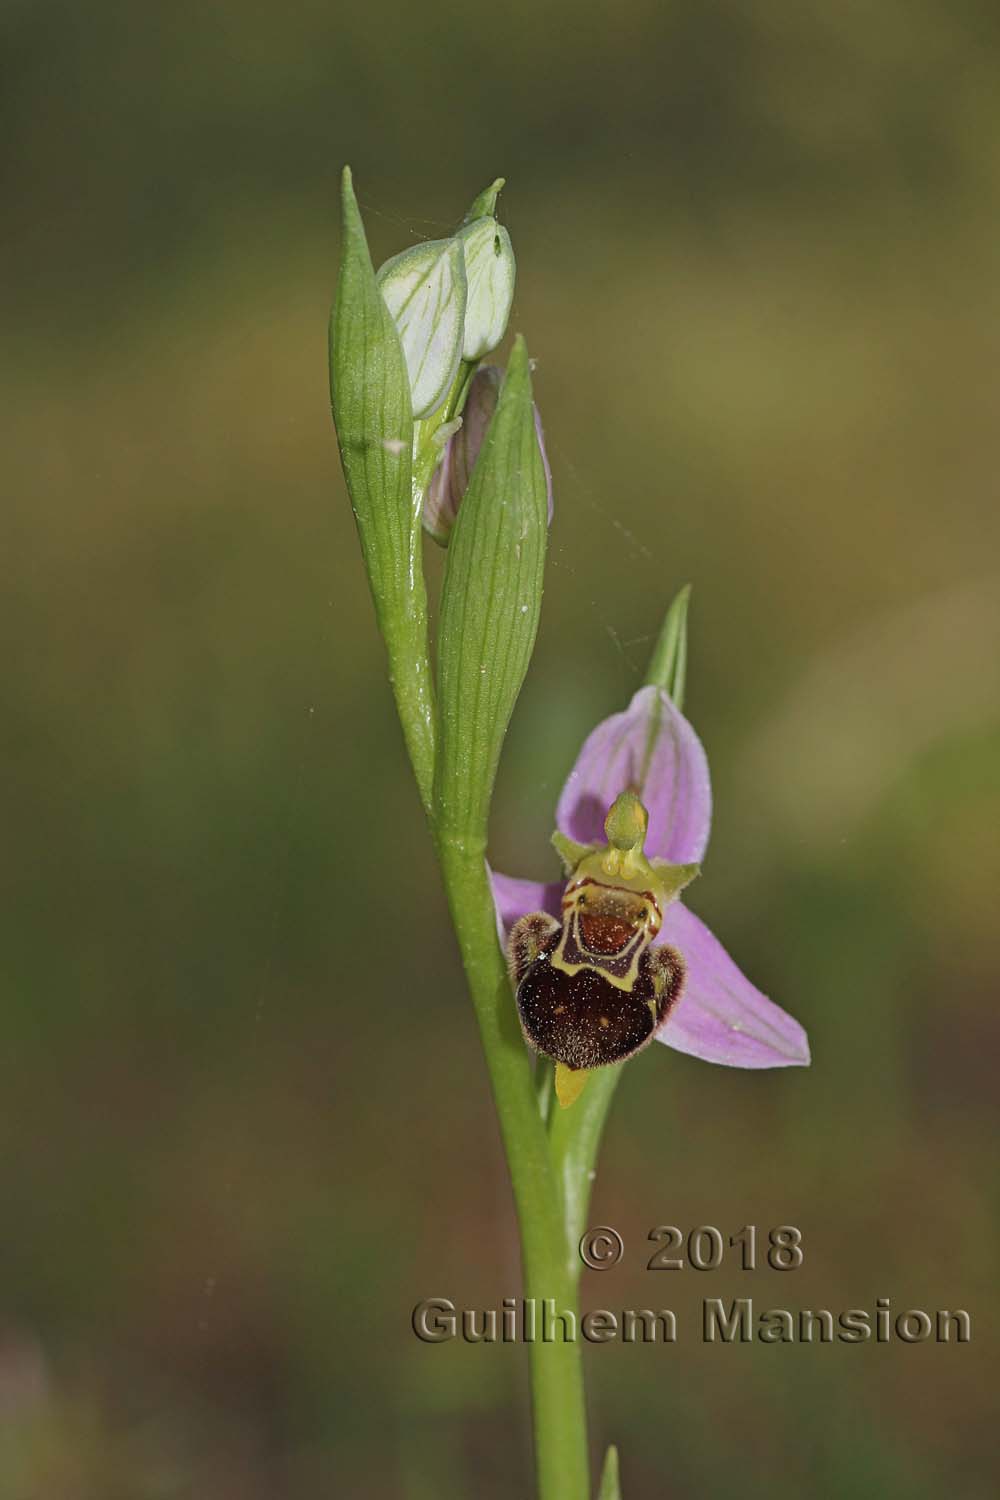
(633, 822)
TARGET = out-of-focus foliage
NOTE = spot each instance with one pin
(245, 1124)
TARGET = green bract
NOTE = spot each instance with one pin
(425, 291)
(490, 606)
(610, 1486)
(668, 667)
(370, 394)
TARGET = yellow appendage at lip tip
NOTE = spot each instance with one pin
(570, 1083)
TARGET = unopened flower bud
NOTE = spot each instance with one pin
(450, 479)
(425, 291)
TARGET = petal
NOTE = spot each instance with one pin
(653, 748)
(425, 290)
(514, 898)
(721, 1016)
(490, 272)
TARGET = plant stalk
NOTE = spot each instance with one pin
(559, 1408)
(405, 633)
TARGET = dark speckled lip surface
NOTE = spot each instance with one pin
(582, 1019)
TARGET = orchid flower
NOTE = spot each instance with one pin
(720, 1015)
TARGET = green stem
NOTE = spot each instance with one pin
(556, 1368)
(406, 631)
(406, 640)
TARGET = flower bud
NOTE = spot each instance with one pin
(425, 290)
(489, 272)
(450, 479)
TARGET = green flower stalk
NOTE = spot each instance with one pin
(608, 959)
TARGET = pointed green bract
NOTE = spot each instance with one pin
(490, 605)
(370, 395)
(610, 1486)
(668, 664)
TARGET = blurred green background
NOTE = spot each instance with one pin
(245, 1123)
